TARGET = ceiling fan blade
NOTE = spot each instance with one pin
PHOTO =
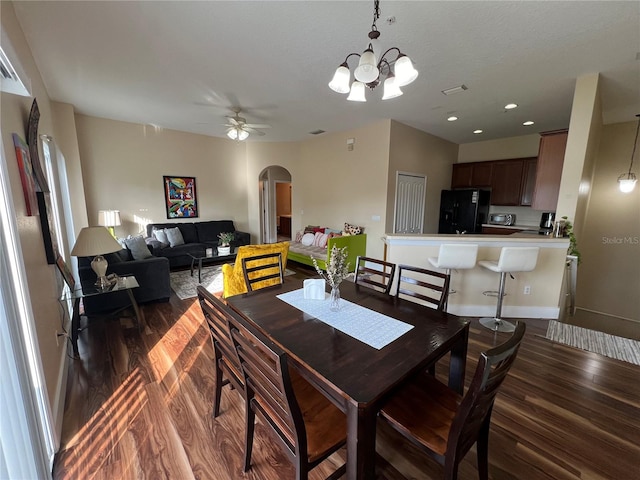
(257, 125)
(252, 131)
(233, 121)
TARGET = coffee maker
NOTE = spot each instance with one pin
(546, 223)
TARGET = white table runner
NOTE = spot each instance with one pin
(370, 327)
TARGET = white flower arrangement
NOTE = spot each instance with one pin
(337, 267)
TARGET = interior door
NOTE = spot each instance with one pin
(411, 189)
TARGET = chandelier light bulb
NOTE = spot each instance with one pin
(340, 81)
(357, 92)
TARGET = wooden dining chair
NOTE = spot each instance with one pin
(307, 425)
(426, 286)
(441, 422)
(262, 270)
(380, 278)
(227, 363)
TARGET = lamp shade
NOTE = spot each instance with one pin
(242, 134)
(627, 182)
(367, 72)
(94, 241)
(391, 88)
(340, 81)
(404, 71)
(357, 92)
(109, 218)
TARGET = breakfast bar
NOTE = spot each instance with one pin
(535, 294)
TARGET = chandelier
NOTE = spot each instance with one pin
(396, 72)
(627, 181)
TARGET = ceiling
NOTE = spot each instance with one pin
(182, 65)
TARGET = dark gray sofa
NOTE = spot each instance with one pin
(198, 236)
(151, 273)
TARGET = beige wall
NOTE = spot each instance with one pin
(609, 275)
(123, 165)
(415, 151)
(43, 280)
(501, 149)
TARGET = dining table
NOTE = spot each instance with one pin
(356, 376)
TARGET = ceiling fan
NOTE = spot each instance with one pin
(239, 129)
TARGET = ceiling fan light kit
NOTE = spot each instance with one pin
(239, 129)
(397, 72)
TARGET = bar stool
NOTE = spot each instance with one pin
(512, 260)
(457, 256)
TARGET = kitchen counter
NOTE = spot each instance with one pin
(544, 282)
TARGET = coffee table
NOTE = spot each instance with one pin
(209, 259)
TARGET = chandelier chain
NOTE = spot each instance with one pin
(635, 144)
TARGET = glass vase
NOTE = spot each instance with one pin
(334, 299)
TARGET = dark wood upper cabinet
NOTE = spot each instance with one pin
(506, 181)
(481, 174)
(461, 176)
(528, 181)
(549, 170)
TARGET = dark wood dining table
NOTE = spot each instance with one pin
(356, 377)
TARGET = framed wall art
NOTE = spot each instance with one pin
(26, 175)
(32, 140)
(180, 197)
(48, 227)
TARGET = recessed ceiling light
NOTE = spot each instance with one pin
(510, 106)
(452, 118)
(477, 131)
(527, 123)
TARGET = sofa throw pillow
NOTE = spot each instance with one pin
(138, 247)
(299, 236)
(310, 228)
(161, 235)
(352, 229)
(320, 240)
(307, 239)
(174, 236)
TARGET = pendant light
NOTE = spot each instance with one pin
(627, 181)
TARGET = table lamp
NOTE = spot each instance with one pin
(95, 242)
(109, 219)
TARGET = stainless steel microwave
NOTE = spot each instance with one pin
(502, 218)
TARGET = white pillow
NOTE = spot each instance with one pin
(138, 247)
(320, 239)
(174, 236)
(161, 235)
(307, 239)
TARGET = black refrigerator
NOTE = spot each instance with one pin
(463, 211)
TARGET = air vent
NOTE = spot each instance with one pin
(453, 90)
(12, 76)
(317, 132)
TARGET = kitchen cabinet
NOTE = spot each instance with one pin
(471, 175)
(549, 170)
(506, 182)
(528, 181)
(461, 176)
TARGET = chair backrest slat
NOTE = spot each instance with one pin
(378, 279)
(262, 270)
(422, 284)
(268, 385)
(493, 367)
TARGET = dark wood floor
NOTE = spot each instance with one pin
(139, 407)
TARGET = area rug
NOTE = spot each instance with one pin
(610, 346)
(185, 285)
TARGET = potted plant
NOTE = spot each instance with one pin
(224, 246)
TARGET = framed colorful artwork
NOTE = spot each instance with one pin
(48, 227)
(26, 175)
(32, 139)
(66, 273)
(180, 197)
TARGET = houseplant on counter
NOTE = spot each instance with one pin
(224, 246)
(337, 271)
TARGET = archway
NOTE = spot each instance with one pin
(274, 183)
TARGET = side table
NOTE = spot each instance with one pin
(120, 284)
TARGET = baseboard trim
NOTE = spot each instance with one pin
(57, 409)
(610, 315)
(507, 312)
